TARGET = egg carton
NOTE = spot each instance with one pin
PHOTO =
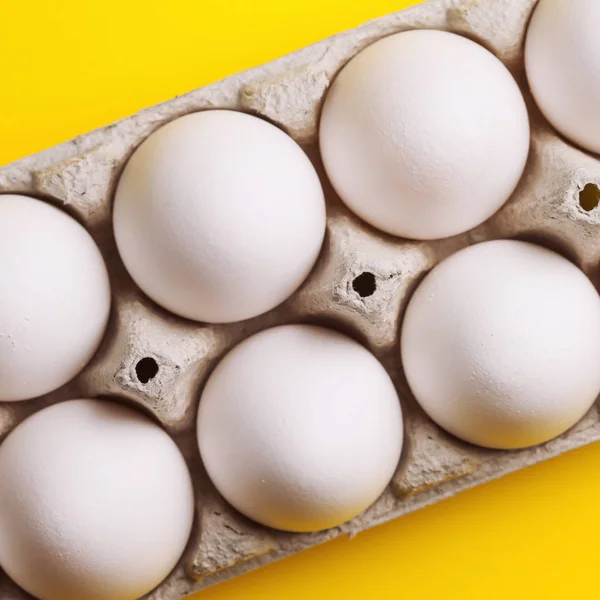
(360, 285)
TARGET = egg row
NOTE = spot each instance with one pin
(220, 216)
(299, 427)
(424, 135)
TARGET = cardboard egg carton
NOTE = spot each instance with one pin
(361, 284)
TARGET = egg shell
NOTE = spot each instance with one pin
(562, 58)
(424, 134)
(83, 173)
(300, 428)
(96, 503)
(54, 298)
(219, 216)
(501, 343)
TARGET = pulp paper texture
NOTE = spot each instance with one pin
(80, 176)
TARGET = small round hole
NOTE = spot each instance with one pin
(146, 369)
(365, 284)
(589, 197)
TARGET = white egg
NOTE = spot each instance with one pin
(219, 216)
(501, 344)
(96, 503)
(54, 298)
(424, 134)
(300, 428)
(562, 58)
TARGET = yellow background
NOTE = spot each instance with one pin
(68, 66)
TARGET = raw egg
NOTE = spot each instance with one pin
(300, 428)
(562, 58)
(219, 216)
(501, 344)
(96, 503)
(54, 298)
(424, 134)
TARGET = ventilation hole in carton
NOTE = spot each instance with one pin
(589, 197)
(146, 369)
(365, 284)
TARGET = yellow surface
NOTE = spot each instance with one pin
(71, 65)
